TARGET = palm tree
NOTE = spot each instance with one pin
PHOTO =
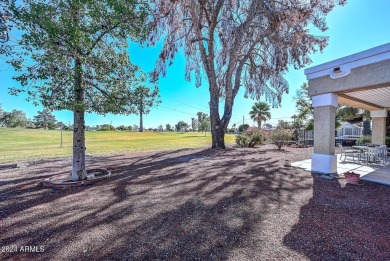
(260, 112)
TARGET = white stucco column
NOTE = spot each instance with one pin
(378, 126)
(323, 159)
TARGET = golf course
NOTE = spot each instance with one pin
(19, 144)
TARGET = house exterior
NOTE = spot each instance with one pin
(349, 129)
(361, 80)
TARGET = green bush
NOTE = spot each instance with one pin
(242, 140)
(281, 137)
(250, 138)
(106, 127)
(387, 141)
(242, 128)
(364, 139)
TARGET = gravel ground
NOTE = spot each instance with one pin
(193, 204)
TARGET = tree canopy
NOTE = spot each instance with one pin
(76, 58)
(181, 126)
(45, 119)
(236, 44)
(89, 34)
(143, 99)
(14, 118)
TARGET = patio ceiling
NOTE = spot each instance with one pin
(368, 98)
(361, 80)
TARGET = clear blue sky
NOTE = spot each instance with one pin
(358, 26)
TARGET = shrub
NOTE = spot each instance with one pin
(106, 127)
(387, 141)
(364, 139)
(231, 130)
(242, 140)
(243, 128)
(121, 127)
(281, 137)
(250, 138)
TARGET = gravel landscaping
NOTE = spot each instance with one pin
(192, 204)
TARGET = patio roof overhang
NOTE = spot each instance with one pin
(361, 80)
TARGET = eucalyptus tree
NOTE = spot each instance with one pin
(239, 43)
(74, 57)
(5, 25)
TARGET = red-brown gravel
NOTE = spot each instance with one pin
(194, 204)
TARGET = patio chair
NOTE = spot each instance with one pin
(345, 152)
(382, 153)
(371, 154)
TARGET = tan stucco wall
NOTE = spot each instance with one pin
(378, 131)
(374, 75)
(324, 129)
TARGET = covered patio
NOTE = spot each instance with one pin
(374, 172)
(361, 80)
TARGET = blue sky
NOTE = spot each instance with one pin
(358, 26)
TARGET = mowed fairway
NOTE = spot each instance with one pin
(29, 144)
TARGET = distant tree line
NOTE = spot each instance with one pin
(46, 120)
(17, 118)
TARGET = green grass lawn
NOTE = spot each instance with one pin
(29, 144)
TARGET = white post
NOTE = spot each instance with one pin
(324, 159)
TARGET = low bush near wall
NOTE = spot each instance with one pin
(364, 139)
(250, 138)
(281, 137)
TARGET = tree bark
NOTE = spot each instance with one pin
(218, 137)
(79, 170)
(141, 121)
(141, 111)
(259, 125)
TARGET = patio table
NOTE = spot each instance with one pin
(362, 148)
(365, 147)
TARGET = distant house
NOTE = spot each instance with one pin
(349, 129)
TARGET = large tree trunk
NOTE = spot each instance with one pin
(217, 125)
(218, 137)
(259, 125)
(79, 170)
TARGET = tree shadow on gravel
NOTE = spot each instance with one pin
(343, 222)
(178, 205)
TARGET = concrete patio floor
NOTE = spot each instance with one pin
(373, 172)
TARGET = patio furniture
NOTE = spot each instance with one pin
(371, 154)
(382, 153)
(346, 152)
